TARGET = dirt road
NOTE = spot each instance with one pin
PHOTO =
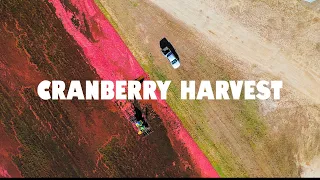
(288, 46)
(218, 41)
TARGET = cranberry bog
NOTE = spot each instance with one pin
(73, 41)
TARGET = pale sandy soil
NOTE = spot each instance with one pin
(311, 169)
(281, 38)
(236, 40)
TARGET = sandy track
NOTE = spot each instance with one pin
(226, 32)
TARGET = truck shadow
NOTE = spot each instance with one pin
(165, 43)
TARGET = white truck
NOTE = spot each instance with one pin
(169, 52)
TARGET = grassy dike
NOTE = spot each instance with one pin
(220, 156)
